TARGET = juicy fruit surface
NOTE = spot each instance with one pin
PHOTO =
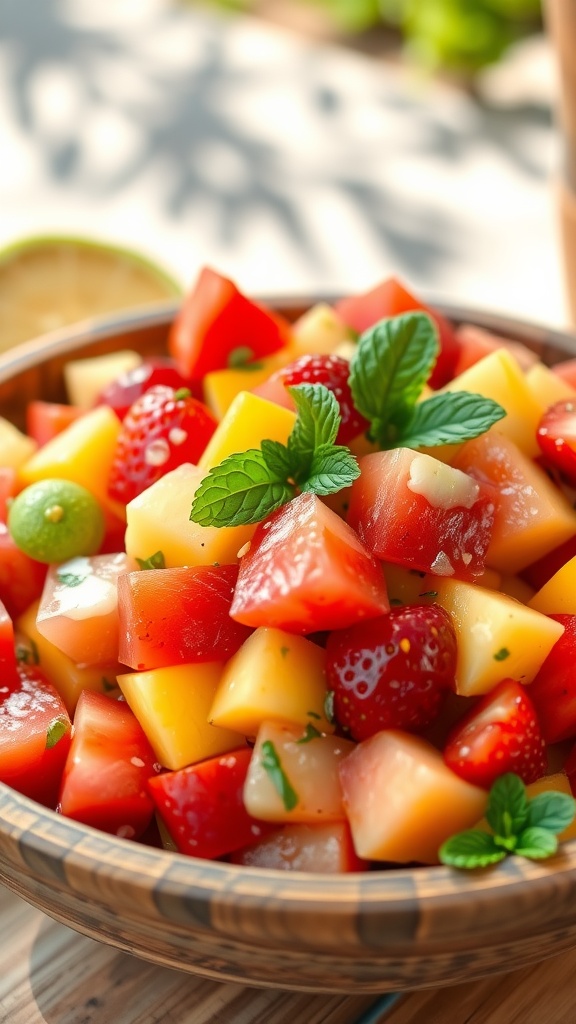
(54, 520)
(392, 672)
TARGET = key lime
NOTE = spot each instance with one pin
(47, 283)
(55, 520)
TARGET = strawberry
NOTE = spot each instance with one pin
(161, 430)
(556, 436)
(121, 393)
(500, 734)
(392, 672)
(333, 372)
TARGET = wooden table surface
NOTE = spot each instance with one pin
(51, 975)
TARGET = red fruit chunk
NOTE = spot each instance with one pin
(553, 691)
(45, 420)
(390, 298)
(474, 343)
(163, 429)
(566, 370)
(21, 578)
(414, 511)
(202, 806)
(501, 734)
(193, 624)
(216, 319)
(8, 665)
(108, 767)
(392, 672)
(34, 735)
(121, 393)
(306, 571)
(556, 435)
(331, 371)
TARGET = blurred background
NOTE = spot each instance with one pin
(309, 146)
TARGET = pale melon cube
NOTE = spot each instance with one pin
(275, 675)
(172, 706)
(158, 519)
(85, 378)
(15, 447)
(294, 778)
(248, 421)
(402, 801)
(320, 331)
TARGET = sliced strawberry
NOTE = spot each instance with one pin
(331, 371)
(556, 435)
(500, 734)
(392, 672)
(163, 429)
(121, 393)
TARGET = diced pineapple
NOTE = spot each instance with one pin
(294, 778)
(172, 706)
(402, 801)
(158, 519)
(222, 386)
(85, 378)
(275, 675)
(320, 331)
(248, 421)
(15, 447)
(558, 595)
(546, 386)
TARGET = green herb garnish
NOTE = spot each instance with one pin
(502, 654)
(272, 765)
(242, 358)
(521, 826)
(55, 731)
(310, 733)
(156, 561)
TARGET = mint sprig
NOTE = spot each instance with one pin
(248, 486)
(388, 371)
(521, 826)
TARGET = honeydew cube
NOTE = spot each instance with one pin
(172, 706)
(499, 376)
(547, 387)
(15, 447)
(85, 378)
(158, 519)
(558, 595)
(248, 421)
(83, 452)
(402, 801)
(320, 331)
(222, 386)
(497, 636)
(68, 677)
(274, 675)
(306, 769)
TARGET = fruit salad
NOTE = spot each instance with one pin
(297, 595)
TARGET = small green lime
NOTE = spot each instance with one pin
(54, 520)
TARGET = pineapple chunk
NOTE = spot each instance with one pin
(558, 595)
(248, 421)
(85, 378)
(158, 519)
(16, 447)
(320, 331)
(222, 386)
(275, 675)
(546, 386)
(172, 707)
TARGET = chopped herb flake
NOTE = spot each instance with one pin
(156, 561)
(273, 767)
(502, 654)
(284, 651)
(55, 731)
(310, 733)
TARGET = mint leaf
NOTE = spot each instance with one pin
(310, 733)
(536, 843)
(390, 367)
(333, 467)
(239, 491)
(553, 811)
(55, 731)
(156, 561)
(449, 418)
(273, 767)
(278, 459)
(316, 424)
(470, 849)
(507, 810)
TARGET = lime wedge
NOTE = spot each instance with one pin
(47, 283)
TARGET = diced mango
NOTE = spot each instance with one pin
(275, 675)
(68, 677)
(83, 452)
(85, 378)
(158, 519)
(222, 386)
(498, 376)
(558, 595)
(497, 636)
(294, 778)
(15, 447)
(248, 421)
(320, 331)
(172, 706)
(402, 801)
(546, 386)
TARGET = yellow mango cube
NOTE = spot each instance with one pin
(172, 706)
(546, 386)
(499, 376)
(413, 801)
(15, 447)
(275, 675)
(158, 519)
(85, 378)
(248, 421)
(222, 386)
(320, 331)
(558, 595)
(497, 636)
(65, 675)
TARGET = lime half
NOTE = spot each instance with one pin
(55, 520)
(47, 283)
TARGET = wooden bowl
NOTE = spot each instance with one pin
(369, 932)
